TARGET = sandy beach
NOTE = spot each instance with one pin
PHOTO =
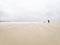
(17, 33)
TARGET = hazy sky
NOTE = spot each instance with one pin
(37, 10)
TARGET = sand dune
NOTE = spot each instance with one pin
(17, 33)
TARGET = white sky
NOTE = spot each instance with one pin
(39, 10)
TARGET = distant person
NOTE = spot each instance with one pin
(48, 21)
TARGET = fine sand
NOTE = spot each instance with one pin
(17, 33)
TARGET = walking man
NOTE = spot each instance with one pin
(48, 21)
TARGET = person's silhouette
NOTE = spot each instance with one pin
(48, 21)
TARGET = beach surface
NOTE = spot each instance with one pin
(29, 33)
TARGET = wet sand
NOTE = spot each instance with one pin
(17, 33)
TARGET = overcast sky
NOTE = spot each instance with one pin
(30, 10)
